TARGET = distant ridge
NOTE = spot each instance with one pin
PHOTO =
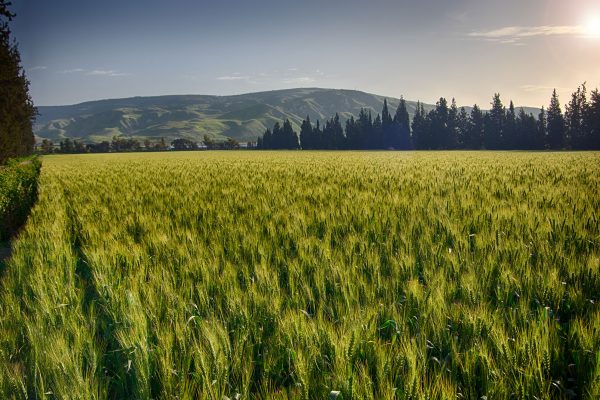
(243, 117)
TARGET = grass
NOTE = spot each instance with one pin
(295, 275)
(18, 193)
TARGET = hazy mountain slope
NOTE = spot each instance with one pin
(243, 117)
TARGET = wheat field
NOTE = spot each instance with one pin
(307, 275)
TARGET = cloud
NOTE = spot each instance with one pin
(541, 88)
(516, 34)
(232, 77)
(260, 78)
(101, 72)
(38, 68)
(94, 72)
(72, 71)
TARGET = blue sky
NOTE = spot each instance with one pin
(74, 51)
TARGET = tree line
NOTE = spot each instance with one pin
(125, 144)
(448, 127)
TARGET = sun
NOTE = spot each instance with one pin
(592, 27)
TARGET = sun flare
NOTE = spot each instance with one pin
(592, 27)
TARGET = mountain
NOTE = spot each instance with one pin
(243, 117)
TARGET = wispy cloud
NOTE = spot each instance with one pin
(233, 77)
(286, 77)
(516, 34)
(72, 71)
(541, 88)
(102, 72)
(95, 72)
(38, 68)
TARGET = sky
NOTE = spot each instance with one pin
(79, 50)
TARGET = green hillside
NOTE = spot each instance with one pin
(243, 117)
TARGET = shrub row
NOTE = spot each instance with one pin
(18, 193)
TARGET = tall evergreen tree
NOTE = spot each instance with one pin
(510, 129)
(494, 124)
(377, 133)
(474, 136)
(327, 136)
(541, 131)
(575, 118)
(268, 139)
(438, 135)
(386, 117)
(289, 136)
(592, 121)
(307, 134)
(419, 127)
(463, 126)
(387, 127)
(353, 139)
(556, 124)
(525, 131)
(337, 133)
(318, 136)
(401, 127)
(452, 126)
(364, 127)
(16, 108)
(277, 140)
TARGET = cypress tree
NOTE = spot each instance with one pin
(463, 126)
(377, 133)
(327, 137)
(525, 130)
(318, 136)
(556, 124)
(268, 140)
(419, 127)
(592, 121)
(352, 134)
(306, 134)
(364, 127)
(337, 133)
(16, 108)
(277, 141)
(387, 127)
(541, 131)
(509, 140)
(289, 138)
(401, 127)
(575, 118)
(452, 126)
(438, 135)
(494, 124)
(474, 137)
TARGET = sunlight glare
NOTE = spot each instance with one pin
(592, 28)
